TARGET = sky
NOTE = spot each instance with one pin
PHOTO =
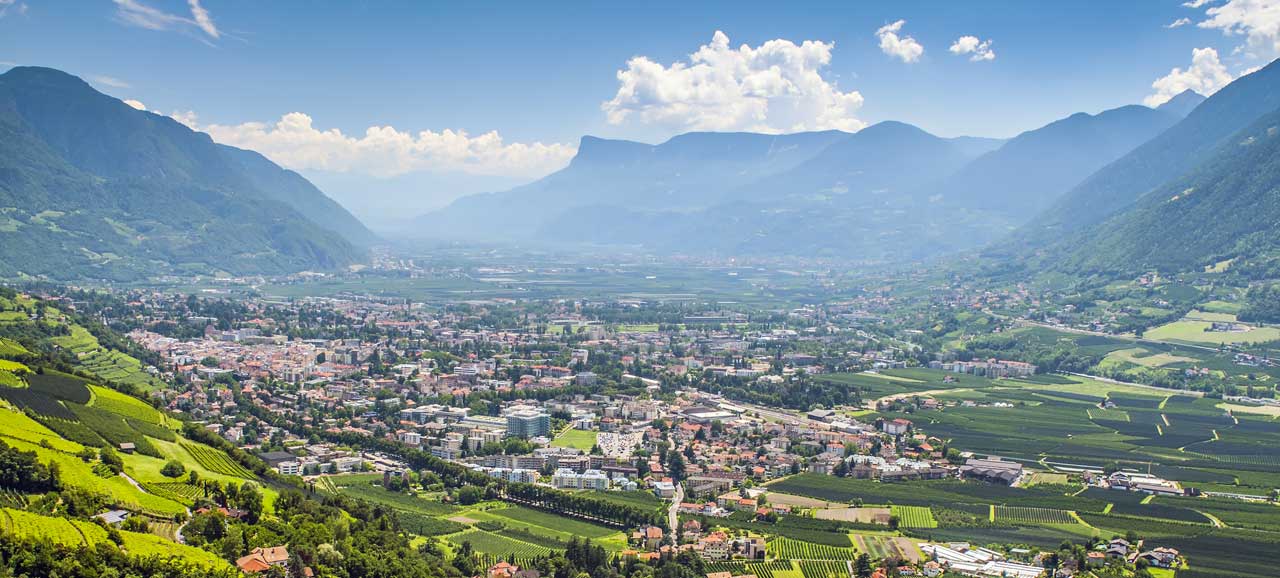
(395, 108)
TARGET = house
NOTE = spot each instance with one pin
(898, 426)
(1118, 548)
(262, 559)
(114, 517)
(1161, 557)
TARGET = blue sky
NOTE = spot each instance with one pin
(539, 73)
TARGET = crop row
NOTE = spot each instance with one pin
(1033, 515)
(914, 517)
(216, 461)
(789, 549)
(824, 569)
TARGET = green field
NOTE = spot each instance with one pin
(1191, 331)
(914, 517)
(77, 532)
(790, 549)
(499, 547)
(576, 438)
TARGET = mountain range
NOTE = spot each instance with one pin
(92, 188)
(889, 191)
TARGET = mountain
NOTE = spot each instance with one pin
(1182, 104)
(91, 187)
(1226, 209)
(689, 171)
(1170, 154)
(1034, 168)
(836, 194)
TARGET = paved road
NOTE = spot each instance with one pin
(673, 517)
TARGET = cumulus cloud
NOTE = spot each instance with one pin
(1257, 20)
(1178, 23)
(903, 47)
(774, 87)
(384, 151)
(136, 13)
(978, 50)
(1206, 75)
(135, 104)
(1196, 3)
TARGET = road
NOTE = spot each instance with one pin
(673, 513)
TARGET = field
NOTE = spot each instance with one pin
(1191, 331)
(496, 546)
(861, 515)
(576, 438)
(73, 532)
(914, 517)
(1038, 516)
(824, 569)
(790, 549)
(216, 461)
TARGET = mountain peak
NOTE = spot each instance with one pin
(1182, 104)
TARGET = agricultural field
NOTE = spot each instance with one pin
(216, 461)
(73, 532)
(860, 515)
(824, 568)
(575, 438)
(1038, 516)
(770, 569)
(1197, 332)
(914, 517)
(790, 549)
(496, 546)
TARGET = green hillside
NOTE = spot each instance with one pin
(1224, 210)
(92, 188)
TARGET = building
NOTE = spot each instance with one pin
(262, 559)
(567, 479)
(289, 468)
(528, 423)
(993, 470)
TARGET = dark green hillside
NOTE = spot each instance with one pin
(91, 188)
(1228, 208)
(1165, 157)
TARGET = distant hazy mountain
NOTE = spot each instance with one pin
(1165, 157)
(687, 172)
(1034, 168)
(733, 192)
(90, 187)
(1227, 208)
(1182, 104)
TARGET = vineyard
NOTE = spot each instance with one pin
(177, 491)
(121, 404)
(1032, 515)
(789, 549)
(774, 569)
(216, 461)
(824, 569)
(498, 546)
(914, 517)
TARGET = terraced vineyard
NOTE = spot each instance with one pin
(789, 549)
(216, 461)
(824, 569)
(914, 517)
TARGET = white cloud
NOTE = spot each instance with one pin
(109, 81)
(1197, 3)
(978, 50)
(775, 87)
(1178, 23)
(202, 18)
(136, 13)
(903, 47)
(135, 104)
(1257, 20)
(1205, 75)
(384, 151)
(17, 7)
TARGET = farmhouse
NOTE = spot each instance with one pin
(262, 559)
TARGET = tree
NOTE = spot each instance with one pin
(173, 469)
(862, 566)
